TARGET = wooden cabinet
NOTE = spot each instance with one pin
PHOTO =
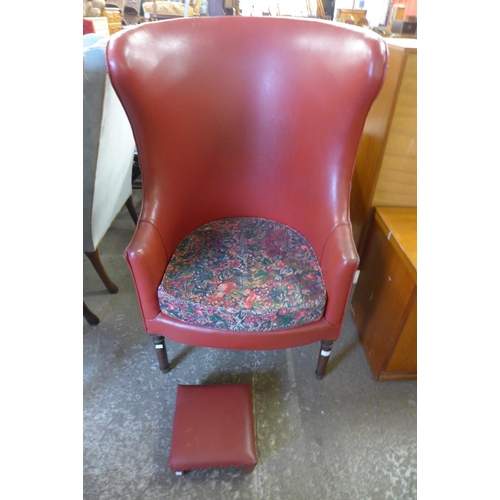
(114, 19)
(386, 164)
(354, 16)
(384, 303)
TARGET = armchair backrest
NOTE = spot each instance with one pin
(243, 116)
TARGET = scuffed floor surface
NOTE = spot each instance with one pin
(345, 437)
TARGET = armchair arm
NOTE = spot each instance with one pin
(147, 259)
(339, 263)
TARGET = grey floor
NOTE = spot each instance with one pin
(344, 437)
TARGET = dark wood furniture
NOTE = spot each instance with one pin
(384, 303)
(91, 318)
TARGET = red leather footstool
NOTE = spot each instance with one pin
(213, 427)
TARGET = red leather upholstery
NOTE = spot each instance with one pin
(246, 117)
(213, 427)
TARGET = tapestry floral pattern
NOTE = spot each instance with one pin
(246, 274)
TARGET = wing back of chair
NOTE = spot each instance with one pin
(237, 116)
(108, 147)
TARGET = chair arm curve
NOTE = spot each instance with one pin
(339, 263)
(147, 259)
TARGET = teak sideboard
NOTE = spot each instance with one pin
(384, 302)
(386, 164)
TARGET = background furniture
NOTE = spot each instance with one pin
(90, 39)
(168, 10)
(231, 7)
(386, 164)
(277, 142)
(89, 315)
(350, 16)
(88, 27)
(384, 303)
(114, 16)
(120, 4)
(108, 153)
(404, 28)
(101, 26)
(283, 8)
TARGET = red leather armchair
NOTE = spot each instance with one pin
(238, 117)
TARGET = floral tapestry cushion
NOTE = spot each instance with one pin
(246, 274)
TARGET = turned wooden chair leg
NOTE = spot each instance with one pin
(324, 355)
(96, 262)
(131, 209)
(161, 353)
(91, 318)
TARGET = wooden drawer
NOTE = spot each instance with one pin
(384, 303)
(114, 27)
(113, 15)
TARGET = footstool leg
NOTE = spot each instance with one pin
(249, 469)
(180, 472)
(324, 355)
(161, 353)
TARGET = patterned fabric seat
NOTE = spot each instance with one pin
(247, 274)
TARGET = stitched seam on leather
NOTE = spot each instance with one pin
(145, 319)
(350, 288)
(328, 238)
(159, 235)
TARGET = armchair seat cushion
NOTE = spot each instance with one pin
(247, 274)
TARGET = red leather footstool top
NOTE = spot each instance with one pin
(213, 427)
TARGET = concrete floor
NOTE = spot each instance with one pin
(344, 437)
